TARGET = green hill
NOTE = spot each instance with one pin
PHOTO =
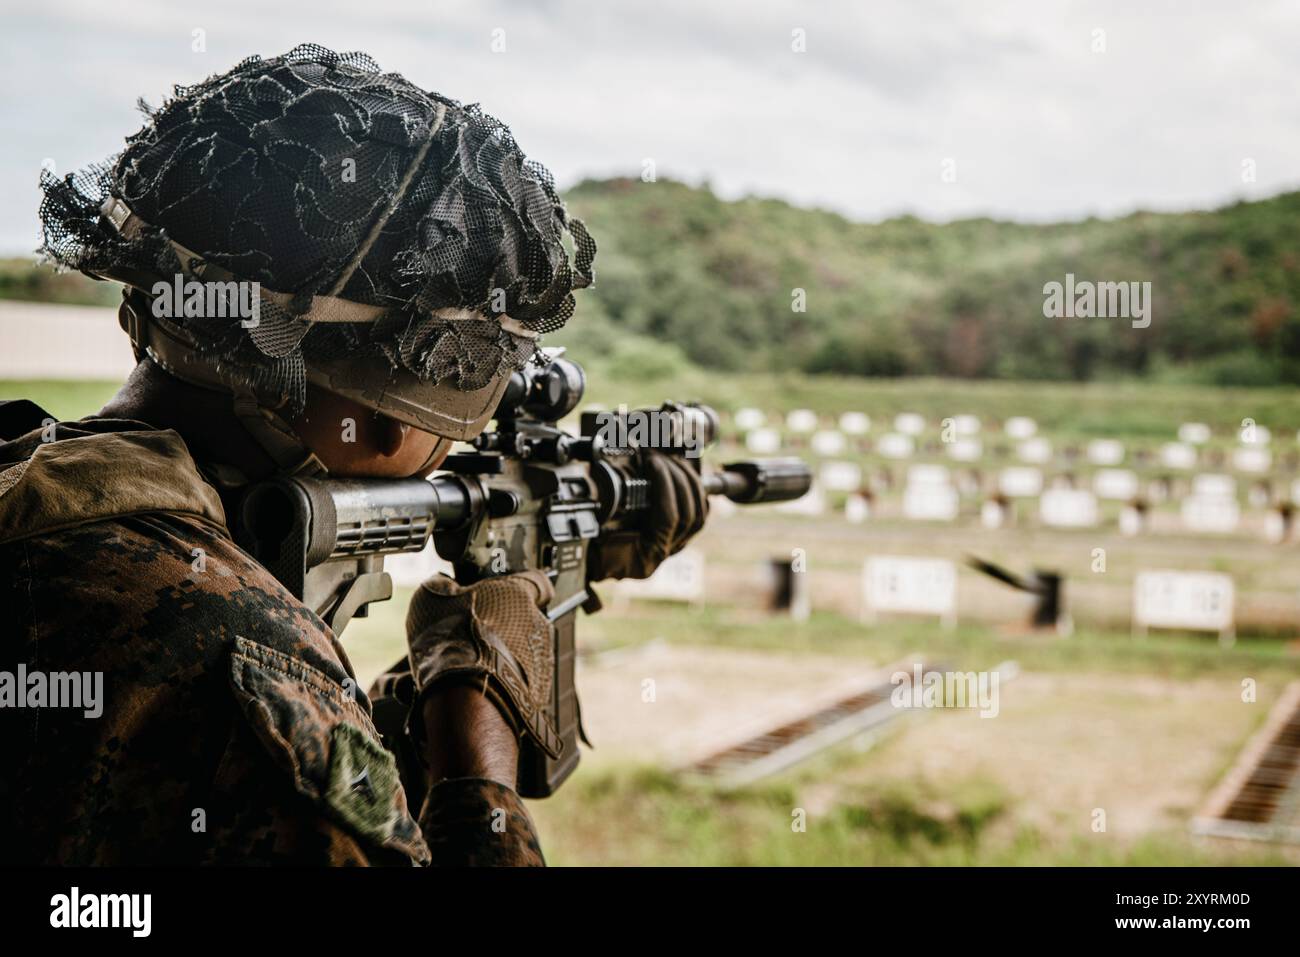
(964, 299)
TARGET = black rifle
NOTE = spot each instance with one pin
(531, 496)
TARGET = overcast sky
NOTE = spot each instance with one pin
(1037, 123)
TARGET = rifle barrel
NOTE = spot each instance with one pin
(762, 480)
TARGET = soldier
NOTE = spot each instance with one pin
(326, 270)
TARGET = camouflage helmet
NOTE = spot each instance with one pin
(400, 248)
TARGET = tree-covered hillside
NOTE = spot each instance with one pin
(965, 299)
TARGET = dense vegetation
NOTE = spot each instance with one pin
(905, 297)
(964, 299)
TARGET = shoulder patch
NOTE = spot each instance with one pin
(319, 734)
(363, 781)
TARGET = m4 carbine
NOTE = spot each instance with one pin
(531, 496)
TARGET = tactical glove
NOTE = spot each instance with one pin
(678, 509)
(493, 636)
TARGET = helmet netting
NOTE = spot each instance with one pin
(277, 171)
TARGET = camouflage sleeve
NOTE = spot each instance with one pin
(260, 819)
(228, 728)
(474, 822)
(324, 747)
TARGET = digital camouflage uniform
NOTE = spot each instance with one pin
(232, 729)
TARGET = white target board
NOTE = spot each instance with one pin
(1036, 450)
(1217, 514)
(1251, 458)
(928, 475)
(1105, 451)
(801, 420)
(1194, 433)
(1213, 485)
(930, 502)
(857, 509)
(929, 494)
(895, 446)
(966, 424)
(679, 578)
(909, 423)
(841, 476)
(1115, 484)
(1068, 508)
(763, 441)
(1131, 521)
(748, 419)
(1178, 455)
(965, 450)
(1020, 481)
(1194, 601)
(855, 423)
(828, 442)
(915, 586)
(1020, 427)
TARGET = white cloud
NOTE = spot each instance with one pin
(1040, 126)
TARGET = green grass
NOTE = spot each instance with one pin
(1134, 412)
(856, 814)
(375, 642)
(1066, 412)
(62, 399)
(23, 278)
(632, 814)
(644, 817)
(970, 645)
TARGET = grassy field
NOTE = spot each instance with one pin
(1141, 729)
(63, 400)
(1126, 411)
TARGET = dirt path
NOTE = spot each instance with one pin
(1146, 750)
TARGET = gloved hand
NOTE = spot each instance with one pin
(492, 636)
(678, 509)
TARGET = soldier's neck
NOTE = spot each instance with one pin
(205, 419)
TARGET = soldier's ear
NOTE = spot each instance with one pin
(390, 436)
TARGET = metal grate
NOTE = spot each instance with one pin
(797, 740)
(1260, 797)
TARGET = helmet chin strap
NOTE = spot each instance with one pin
(277, 438)
(443, 444)
(268, 429)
